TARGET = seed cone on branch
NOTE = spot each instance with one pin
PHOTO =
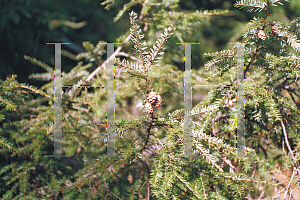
(274, 28)
(260, 34)
(130, 178)
(157, 101)
(148, 107)
(154, 98)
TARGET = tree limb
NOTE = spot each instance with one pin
(290, 150)
(103, 65)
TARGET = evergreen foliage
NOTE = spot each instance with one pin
(149, 147)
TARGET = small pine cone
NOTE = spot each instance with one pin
(152, 96)
(148, 107)
(157, 101)
(261, 34)
(130, 178)
(275, 28)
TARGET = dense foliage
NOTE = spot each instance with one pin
(150, 147)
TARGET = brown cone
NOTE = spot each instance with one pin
(157, 101)
(275, 28)
(151, 96)
(148, 107)
(261, 34)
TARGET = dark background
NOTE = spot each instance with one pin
(26, 25)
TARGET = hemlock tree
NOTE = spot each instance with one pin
(152, 142)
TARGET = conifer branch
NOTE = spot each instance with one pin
(43, 76)
(162, 175)
(127, 64)
(156, 49)
(41, 64)
(148, 133)
(9, 105)
(129, 56)
(186, 184)
(259, 41)
(5, 143)
(115, 195)
(252, 4)
(32, 89)
(103, 65)
(290, 150)
(137, 37)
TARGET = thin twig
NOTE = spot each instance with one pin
(116, 196)
(148, 133)
(91, 76)
(148, 190)
(143, 186)
(287, 188)
(290, 150)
